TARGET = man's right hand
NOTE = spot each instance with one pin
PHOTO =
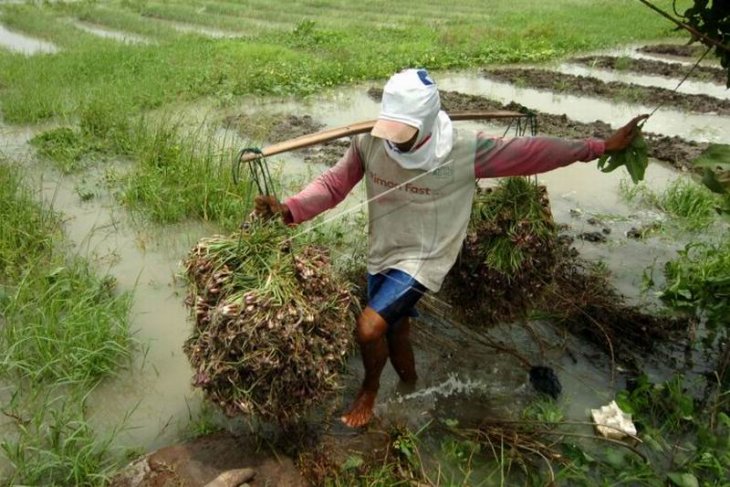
(267, 207)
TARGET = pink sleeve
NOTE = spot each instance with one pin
(328, 189)
(523, 156)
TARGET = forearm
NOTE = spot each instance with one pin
(497, 157)
(325, 192)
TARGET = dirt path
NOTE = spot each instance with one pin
(648, 66)
(650, 96)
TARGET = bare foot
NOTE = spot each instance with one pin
(361, 411)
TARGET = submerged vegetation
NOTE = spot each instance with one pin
(689, 204)
(62, 330)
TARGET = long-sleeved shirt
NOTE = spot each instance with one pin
(418, 219)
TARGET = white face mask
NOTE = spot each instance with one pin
(430, 154)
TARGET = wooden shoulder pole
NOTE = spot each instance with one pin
(359, 128)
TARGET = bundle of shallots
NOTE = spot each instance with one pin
(273, 324)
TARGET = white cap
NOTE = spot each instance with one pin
(410, 99)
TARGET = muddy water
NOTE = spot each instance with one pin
(145, 262)
(23, 44)
(155, 389)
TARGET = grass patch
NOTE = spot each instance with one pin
(64, 146)
(62, 323)
(78, 334)
(180, 175)
(52, 443)
(28, 232)
(698, 282)
(692, 206)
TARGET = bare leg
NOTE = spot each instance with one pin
(401, 351)
(371, 328)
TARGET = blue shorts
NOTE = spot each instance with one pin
(393, 294)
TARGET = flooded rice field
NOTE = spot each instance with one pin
(462, 378)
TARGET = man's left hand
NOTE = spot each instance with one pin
(621, 139)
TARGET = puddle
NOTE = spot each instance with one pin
(23, 44)
(120, 36)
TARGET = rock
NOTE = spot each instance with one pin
(597, 237)
(232, 478)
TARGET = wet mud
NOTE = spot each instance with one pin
(613, 90)
(678, 50)
(282, 127)
(585, 303)
(648, 66)
(202, 460)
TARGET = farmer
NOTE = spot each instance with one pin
(420, 175)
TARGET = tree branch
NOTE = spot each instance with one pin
(687, 27)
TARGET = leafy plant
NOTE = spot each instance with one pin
(545, 410)
(714, 166)
(698, 281)
(635, 157)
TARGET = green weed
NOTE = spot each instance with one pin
(29, 231)
(690, 205)
(63, 146)
(64, 324)
(63, 329)
(694, 437)
(180, 176)
(204, 421)
(623, 63)
(698, 282)
(689, 201)
(544, 410)
(53, 443)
